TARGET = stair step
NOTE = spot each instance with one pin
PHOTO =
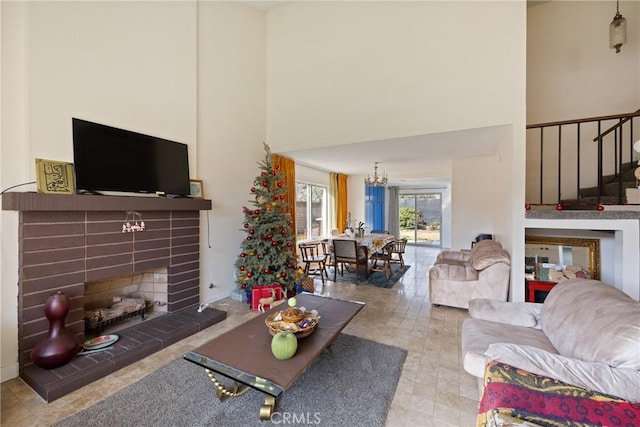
(610, 189)
(593, 201)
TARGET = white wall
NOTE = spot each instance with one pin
(231, 130)
(345, 72)
(130, 64)
(311, 175)
(472, 199)
(13, 171)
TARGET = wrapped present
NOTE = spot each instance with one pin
(263, 297)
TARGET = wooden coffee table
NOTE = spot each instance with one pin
(244, 356)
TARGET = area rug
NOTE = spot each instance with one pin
(350, 384)
(376, 278)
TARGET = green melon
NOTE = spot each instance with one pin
(284, 345)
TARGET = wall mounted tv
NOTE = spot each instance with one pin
(111, 159)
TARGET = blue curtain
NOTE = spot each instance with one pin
(374, 207)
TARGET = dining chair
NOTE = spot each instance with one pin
(347, 251)
(326, 250)
(314, 261)
(399, 246)
(381, 260)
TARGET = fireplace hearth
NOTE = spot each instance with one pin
(67, 241)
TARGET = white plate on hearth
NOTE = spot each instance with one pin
(100, 342)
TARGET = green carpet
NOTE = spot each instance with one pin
(376, 278)
(350, 384)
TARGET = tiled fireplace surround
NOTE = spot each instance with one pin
(66, 241)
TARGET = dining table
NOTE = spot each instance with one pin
(372, 242)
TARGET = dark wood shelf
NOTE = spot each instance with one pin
(14, 201)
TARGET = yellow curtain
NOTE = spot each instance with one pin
(342, 202)
(288, 166)
(333, 201)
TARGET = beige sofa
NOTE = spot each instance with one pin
(586, 333)
(457, 277)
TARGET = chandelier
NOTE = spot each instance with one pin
(376, 180)
(617, 30)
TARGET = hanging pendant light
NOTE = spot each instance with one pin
(617, 30)
(376, 180)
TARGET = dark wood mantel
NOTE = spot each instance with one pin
(14, 201)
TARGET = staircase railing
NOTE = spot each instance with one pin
(562, 161)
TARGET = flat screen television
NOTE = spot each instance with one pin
(110, 159)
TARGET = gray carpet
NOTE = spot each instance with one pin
(351, 384)
(376, 278)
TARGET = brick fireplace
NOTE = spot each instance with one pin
(66, 241)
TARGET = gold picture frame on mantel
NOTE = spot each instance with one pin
(54, 177)
(196, 189)
(582, 252)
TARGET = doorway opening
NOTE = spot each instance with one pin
(420, 217)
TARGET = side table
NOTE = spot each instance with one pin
(531, 286)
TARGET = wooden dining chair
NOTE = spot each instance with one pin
(399, 246)
(314, 260)
(381, 260)
(326, 250)
(347, 251)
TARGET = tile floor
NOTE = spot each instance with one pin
(434, 390)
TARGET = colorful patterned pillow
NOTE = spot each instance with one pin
(514, 394)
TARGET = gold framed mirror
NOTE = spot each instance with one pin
(577, 253)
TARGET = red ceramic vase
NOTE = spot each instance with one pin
(60, 345)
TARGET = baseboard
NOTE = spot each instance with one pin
(9, 372)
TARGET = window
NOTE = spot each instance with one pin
(311, 211)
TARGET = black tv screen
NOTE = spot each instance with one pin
(110, 159)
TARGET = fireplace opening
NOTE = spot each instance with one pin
(116, 303)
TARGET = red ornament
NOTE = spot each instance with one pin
(259, 256)
(257, 211)
(246, 225)
(266, 271)
(600, 207)
(242, 255)
(242, 268)
(284, 232)
(290, 265)
(273, 172)
(263, 174)
(288, 222)
(248, 238)
(559, 207)
(277, 166)
(265, 183)
(252, 231)
(253, 189)
(281, 197)
(274, 243)
(269, 236)
(243, 286)
(249, 274)
(280, 183)
(283, 274)
(289, 244)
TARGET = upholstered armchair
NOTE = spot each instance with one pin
(458, 277)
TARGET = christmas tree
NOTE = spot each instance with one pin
(268, 255)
